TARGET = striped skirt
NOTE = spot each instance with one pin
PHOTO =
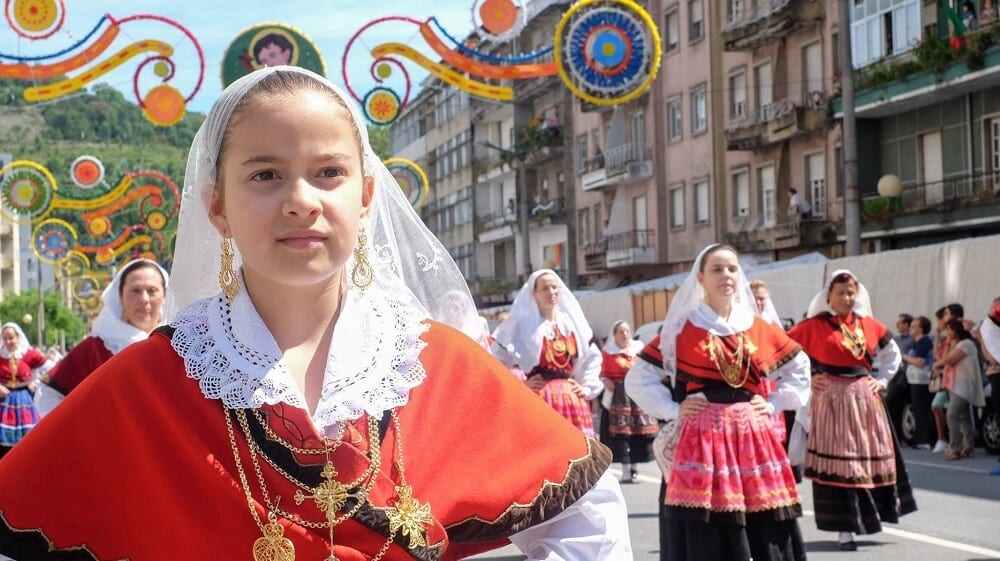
(17, 416)
(558, 393)
(850, 444)
(730, 459)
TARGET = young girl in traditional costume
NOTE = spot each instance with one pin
(730, 493)
(302, 403)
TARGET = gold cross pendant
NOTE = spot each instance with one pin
(330, 496)
(410, 517)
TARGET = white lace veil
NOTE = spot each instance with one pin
(406, 257)
(115, 332)
(22, 341)
(522, 333)
(688, 297)
(862, 302)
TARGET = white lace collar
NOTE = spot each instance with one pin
(372, 366)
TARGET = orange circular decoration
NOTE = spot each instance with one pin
(86, 171)
(164, 106)
(99, 227)
(498, 16)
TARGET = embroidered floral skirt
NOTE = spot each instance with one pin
(17, 416)
(559, 394)
(729, 459)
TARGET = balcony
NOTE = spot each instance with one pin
(548, 147)
(595, 256)
(495, 290)
(751, 24)
(530, 89)
(497, 226)
(785, 235)
(635, 247)
(552, 211)
(777, 122)
(619, 166)
(973, 199)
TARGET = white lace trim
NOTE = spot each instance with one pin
(372, 366)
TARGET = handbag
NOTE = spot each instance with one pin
(935, 385)
(664, 445)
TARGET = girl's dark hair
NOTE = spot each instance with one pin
(715, 248)
(842, 278)
(958, 327)
(135, 267)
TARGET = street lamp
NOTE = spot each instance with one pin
(523, 202)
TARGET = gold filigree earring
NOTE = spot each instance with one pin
(362, 275)
(228, 281)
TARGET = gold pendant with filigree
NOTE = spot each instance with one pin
(273, 545)
(559, 346)
(330, 496)
(409, 517)
(731, 374)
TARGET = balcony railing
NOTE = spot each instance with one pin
(753, 23)
(496, 220)
(960, 190)
(552, 208)
(778, 121)
(634, 247)
(784, 235)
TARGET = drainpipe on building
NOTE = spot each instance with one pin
(852, 195)
(569, 185)
(718, 111)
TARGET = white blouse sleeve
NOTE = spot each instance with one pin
(644, 384)
(594, 528)
(888, 358)
(794, 385)
(587, 371)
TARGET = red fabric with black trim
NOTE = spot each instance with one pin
(79, 363)
(773, 348)
(822, 340)
(150, 474)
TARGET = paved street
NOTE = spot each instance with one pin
(957, 520)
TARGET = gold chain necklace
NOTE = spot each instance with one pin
(408, 515)
(854, 341)
(737, 372)
(271, 435)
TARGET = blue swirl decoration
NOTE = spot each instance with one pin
(606, 51)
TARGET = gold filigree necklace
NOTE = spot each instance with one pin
(735, 372)
(854, 341)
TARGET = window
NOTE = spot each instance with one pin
(552, 256)
(699, 110)
(880, 29)
(741, 193)
(581, 153)
(763, 86)
(768, 195)
(599, 233)
(677, 206)
(675, 123)
(994, 148)
(673, 27)
(701, 201)
(637, 130)
(583, 230)
(696, 27)
(734, 11)
(816, 180)
(639, 217)
(738, 96)
(812, 70)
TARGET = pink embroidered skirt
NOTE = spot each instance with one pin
(559, 394)
(730, 459)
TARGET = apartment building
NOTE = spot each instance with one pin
(928, 112)
(10, 254)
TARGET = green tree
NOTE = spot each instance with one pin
(378, 137)
(57, 317)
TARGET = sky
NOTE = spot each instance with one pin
(215, 23)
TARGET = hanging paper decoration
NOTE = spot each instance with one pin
(86, 172)
(269, 44)
(412, 180)
(606, 51)
(90, 56)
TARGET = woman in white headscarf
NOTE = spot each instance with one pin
(19, 362)
(625, 427)
(133, 308)
(303, 392)
(852, 457)
(548, 338)
(730, 493)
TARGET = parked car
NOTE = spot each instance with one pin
(987, 421)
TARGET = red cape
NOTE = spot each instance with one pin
(79, 362)
(137, 464)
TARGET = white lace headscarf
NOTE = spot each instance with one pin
(862, 302)
(407, 258)
(110, 325)
(688, 298)
(22, 342)
(523, 330)
(611, 346)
